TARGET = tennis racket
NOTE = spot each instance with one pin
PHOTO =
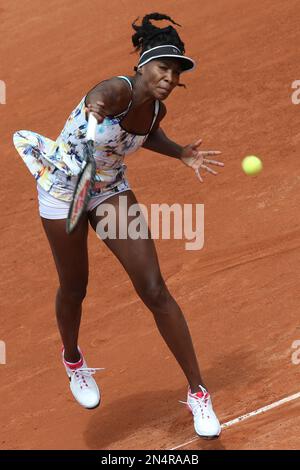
(86, 179)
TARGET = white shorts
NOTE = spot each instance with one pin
(52, 208)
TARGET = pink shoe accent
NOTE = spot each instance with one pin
(73, 365)
(199, 394)
(196, 395)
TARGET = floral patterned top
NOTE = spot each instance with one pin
(56, 164)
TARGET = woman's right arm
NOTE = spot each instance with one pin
(108, 98)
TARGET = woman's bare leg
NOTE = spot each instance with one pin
(71, 260)
(140, 261)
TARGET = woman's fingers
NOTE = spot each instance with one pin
(98, 107)
(212, 162)
(199, 162)
(97, 116)
(197, 144)
(207, 153)
(209, 170)
(198, 175)
(97, 110)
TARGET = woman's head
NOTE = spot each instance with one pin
(147, 35)
(153, 42)
(162, 57)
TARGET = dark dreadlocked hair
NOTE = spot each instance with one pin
(147, 35)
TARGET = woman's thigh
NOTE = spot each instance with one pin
(70, 253)
(138, 256)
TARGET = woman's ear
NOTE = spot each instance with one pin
(138, 71)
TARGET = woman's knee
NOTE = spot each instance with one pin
(72, 295)
(153, 293)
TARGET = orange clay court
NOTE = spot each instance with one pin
(240, 293)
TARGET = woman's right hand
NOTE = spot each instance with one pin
(98, 111)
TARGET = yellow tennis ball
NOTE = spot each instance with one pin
(252, 165)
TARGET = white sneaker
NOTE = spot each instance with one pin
(205, 421)
(82, 384)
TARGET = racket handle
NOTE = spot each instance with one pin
(91, 128)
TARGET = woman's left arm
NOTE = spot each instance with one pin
(158, 142)
(189, 154)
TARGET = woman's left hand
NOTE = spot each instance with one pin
(197, 160)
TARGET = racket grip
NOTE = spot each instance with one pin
(91, 128)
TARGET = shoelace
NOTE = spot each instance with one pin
(85, 372)
(200, 402)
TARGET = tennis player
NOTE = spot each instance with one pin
(129, 111)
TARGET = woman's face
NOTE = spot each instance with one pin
(162, 76)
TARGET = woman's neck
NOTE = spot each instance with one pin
(141, 95)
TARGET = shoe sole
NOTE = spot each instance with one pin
(85, 407)
(209, 438)
(92, 407)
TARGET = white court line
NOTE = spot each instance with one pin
(248, 415)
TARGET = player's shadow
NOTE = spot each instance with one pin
(240, 366)
(159, 414)
(134, 417)
(127, 416)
